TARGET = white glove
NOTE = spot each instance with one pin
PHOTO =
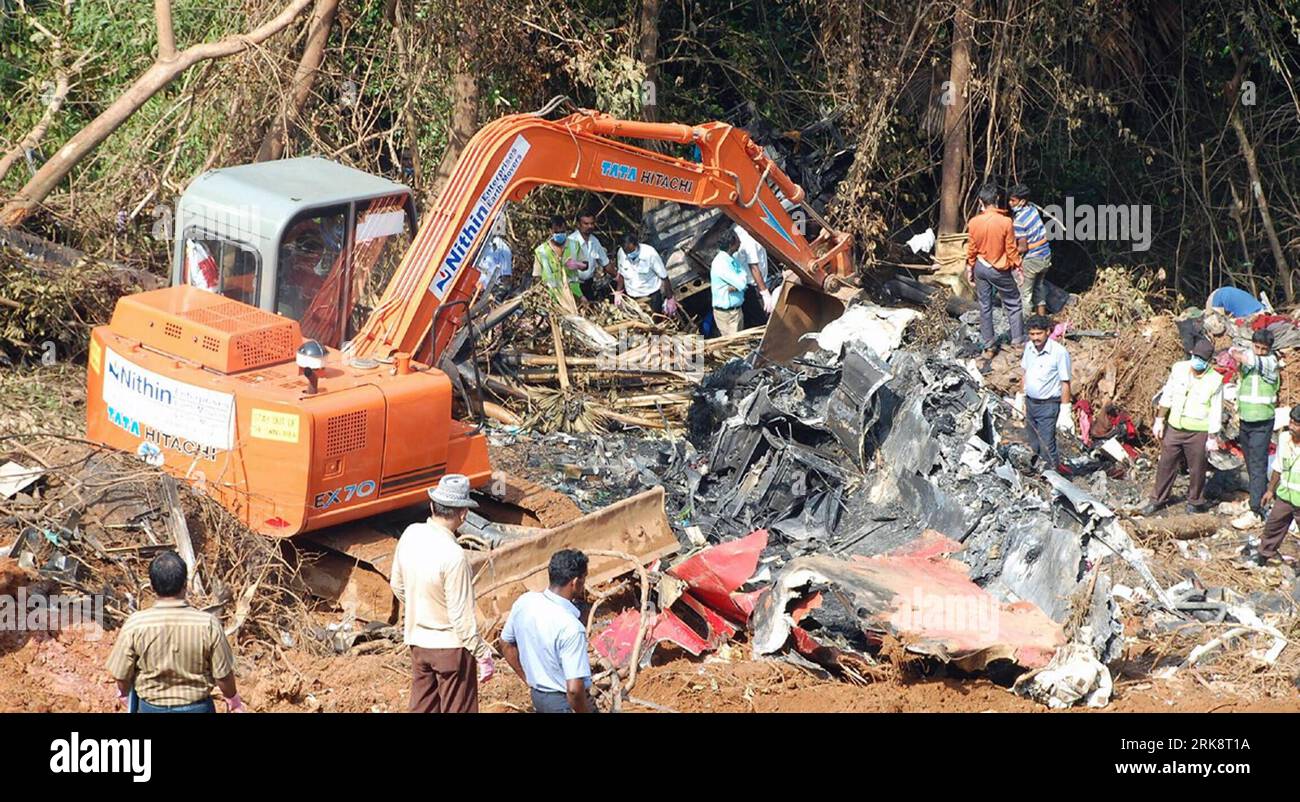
(1019, 404)
(618, 298)
(670, 307)
(1065, 421)
(1211, 443)
(1158, 428)
(768, 303)
(486, 669)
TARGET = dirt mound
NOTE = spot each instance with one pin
(1131, 371)
(12, 577)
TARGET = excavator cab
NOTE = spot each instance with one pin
(307, 239)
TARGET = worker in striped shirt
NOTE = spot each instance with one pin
(1031, 242)
(168, 657)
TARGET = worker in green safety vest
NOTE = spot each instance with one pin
(1258, 379)
(1187, 424)
(1283, 492)
(556, 263)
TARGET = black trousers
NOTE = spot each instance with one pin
(655, 300)
(1254, 439)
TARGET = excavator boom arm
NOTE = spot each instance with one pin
(512, 155)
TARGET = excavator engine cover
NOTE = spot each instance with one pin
(208, 388)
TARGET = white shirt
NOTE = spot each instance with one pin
(494, 261)
(645, 274)
(751, 252)
(431, 578)
(551, 638)
(591, 252)
(1045, 370)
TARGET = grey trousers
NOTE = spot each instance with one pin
(1276, 527)
(550, 701)
(1181, 448)
(1033, 290)
(1041, 417)
(987, 282)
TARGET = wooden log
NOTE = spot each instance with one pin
(629, 419)
(561, 370)
(500, 414)
(181, 531)
(1180, 527)
(504, 388)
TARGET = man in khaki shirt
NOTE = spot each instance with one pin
(167, 658)
(432, 579)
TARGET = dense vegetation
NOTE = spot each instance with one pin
(1136, 102)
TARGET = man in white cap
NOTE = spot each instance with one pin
(432, 579)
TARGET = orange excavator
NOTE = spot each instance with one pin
(295, 436)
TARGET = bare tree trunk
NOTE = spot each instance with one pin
(304, 78)
(397, 18)
(1257, 189)
(954, 118)
(162, 72)
(648, 52)
(465, 95)
(464, 120)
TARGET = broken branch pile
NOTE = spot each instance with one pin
(89, 520)
(44, 303)
(608, 367)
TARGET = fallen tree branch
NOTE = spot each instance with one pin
(161, 73)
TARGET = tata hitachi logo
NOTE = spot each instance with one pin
(139, 384)
(76, 755)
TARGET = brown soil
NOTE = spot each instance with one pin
(65, 673)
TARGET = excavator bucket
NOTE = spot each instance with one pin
(636, 526)
(356, 562)
(799, 310)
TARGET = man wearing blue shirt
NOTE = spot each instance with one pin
(1046, 385)
(545, 642)
(1035, 252)
(727, 282)
(1233, 301)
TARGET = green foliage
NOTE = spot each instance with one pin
(1109, 102)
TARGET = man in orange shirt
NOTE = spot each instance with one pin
(991, 256)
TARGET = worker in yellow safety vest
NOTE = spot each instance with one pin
(1283, 492)
(555, 262)
(1187, 425)
(1258, 380)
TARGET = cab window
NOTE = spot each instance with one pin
(383, 233)
(222, 266)
(311, 273)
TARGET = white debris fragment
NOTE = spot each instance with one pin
(923, 242)
(877, 327)
(15, 478)
(1074, 674)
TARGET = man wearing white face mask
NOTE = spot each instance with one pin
(1187, 424)
(642, 275)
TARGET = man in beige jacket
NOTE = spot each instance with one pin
(432, 579)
